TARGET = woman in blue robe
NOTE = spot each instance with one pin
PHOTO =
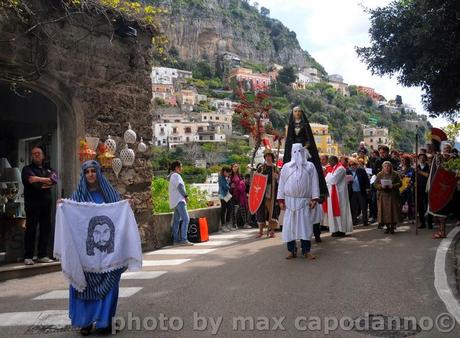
(97, 304)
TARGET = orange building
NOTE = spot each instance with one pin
(256, 81)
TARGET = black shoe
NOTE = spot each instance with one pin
(380, 226)
(334, 234)
(106, 331)
(340, 234)
(318, 239)
(85, 331)
(423, 226)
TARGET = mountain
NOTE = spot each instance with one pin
(200, 32)
(203, 29)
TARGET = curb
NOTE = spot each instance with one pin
(20, 270)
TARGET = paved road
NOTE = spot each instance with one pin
(235, 275)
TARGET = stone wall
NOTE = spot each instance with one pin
(160, 227)
(98, 81)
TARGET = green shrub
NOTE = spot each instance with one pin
(160, 196)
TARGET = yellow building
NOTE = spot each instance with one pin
(323, 139)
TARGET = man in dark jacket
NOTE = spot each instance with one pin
(38, 180)
(423, 172)
(360, 188)
(384, 152)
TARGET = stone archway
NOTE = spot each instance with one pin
(68, 125)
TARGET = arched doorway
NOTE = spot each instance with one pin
(29, 116)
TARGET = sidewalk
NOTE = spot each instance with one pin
(19, 270)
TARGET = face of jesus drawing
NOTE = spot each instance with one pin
(101, 235)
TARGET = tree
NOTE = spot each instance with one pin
(252, 112)
(418, 40)
(202, 70)
(452, 131)
(287, 75)
(264, 11)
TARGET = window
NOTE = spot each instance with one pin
(188, 139)
(200, 129)
(380, 140)
(217, 118)
(205, 117)
(174, 130)
(372, 140)
(188, 130)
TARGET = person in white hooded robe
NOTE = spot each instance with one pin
(298, 192)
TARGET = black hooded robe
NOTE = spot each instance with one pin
(305, 137)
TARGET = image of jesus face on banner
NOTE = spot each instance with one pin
(101, 235)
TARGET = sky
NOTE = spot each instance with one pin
(329, 30)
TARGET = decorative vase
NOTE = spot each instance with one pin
(130, 136)
(127, 156)
(111, 145)
(116, 166)
(141, 146)
(92, 142)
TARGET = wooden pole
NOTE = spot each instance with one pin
(416, 181)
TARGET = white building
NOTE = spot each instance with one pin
(175, 133)
(335, 78)
(222, 119)
(220, 104)
(164, 75)
(306, 77)
(374, 137)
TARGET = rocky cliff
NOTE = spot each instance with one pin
(201, 30)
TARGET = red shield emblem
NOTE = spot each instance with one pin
(442, 189)
(257, 191)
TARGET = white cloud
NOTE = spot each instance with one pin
(329, 30)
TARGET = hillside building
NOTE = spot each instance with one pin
(375, 136)
(323, 139)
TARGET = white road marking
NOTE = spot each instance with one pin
(233, 236)
(181, 252)
(163, 262)
(440, 277)
(142, 274)
(215, 243)
(57, 318)
(124, 292)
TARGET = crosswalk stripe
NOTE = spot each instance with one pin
(181, 252)
(233, 236)
(57, 318)
(142, 274)
(215, 243)
(123, 292)
(163, 262)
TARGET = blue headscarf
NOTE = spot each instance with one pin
(82, 193)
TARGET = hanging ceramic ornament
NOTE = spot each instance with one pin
(127, 156)
(130, 136)
(141, 146)
(92, 142)
(116, 166)
(111, 145)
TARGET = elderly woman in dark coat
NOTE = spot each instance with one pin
(388, 197)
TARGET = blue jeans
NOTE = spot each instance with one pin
(306, 246)
(180, 213)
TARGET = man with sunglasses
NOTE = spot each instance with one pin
(37, 178)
